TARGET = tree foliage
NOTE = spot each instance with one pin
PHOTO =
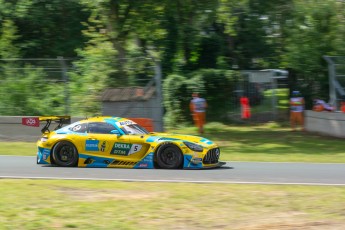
(313, 32)
(93, 70)
(114, 42)
(216, 86)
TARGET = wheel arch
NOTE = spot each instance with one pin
(161, 145)
(52, 161)
(68, 140)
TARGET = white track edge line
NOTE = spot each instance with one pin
(257, 162)
(176, 181)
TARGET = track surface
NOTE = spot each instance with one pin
(232, 172)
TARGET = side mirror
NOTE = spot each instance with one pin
(116, 132)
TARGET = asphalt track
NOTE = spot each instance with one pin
(232, 172)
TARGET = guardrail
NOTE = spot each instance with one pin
(325, 123)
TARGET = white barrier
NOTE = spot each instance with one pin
(325, 123)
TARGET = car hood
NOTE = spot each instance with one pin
(161, 137)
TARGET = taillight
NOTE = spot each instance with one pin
(44, 139)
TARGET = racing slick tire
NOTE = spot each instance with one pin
(169, 156)
(65, 154)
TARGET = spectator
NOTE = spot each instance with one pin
(198, 107)
(296, 110)
(245, 108)
(321, 105)
(342, 106)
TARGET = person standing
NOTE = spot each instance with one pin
(296, 110)
(245, 107)
(198, 107)
(342, 106)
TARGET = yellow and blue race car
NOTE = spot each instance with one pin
(121, 143)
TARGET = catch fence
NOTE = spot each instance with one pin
(45, 85)
(336, 74)
(268, 94)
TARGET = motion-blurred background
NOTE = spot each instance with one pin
(71, 57)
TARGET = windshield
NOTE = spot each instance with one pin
(134, 129)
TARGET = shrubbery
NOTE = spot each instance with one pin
(215, 85)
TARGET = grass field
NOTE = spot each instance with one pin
(58, 204)
(267, 142)
(272, 142)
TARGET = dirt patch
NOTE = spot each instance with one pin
(101, 195)
(317, 225)
(289, 221)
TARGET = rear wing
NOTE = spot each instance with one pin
(35, 121)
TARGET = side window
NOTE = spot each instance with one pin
(100, 127)
(79, 128)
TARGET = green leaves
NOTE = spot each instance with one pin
(8, 36)
(311, 33)
(216, 86)
(114, 41)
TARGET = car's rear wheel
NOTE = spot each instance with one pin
(65, 154)
(169, 156)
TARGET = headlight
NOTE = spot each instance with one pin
(194, 147)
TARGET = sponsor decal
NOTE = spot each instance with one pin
(134, 149)
(147, 162)
(31, 121)
(104, 146)
(123, 123)
(45, 154)
(189, 162)
(125, 149)
(91, 145)
(76, 128)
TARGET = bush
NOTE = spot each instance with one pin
(216, 86)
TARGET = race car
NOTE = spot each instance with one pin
(119, 142)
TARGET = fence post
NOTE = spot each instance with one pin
(274, 98)
(66, 81)
(158, 82)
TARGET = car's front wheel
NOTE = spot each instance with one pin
(65, 154)
(169, 156)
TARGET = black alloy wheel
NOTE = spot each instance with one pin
(169, 156)
(65, 154)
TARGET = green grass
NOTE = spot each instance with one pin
(61, 204)
(268, 142)
(271, 142)
(18, 148)
(71, 204)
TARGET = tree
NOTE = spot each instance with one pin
(19, 80)
(132, 28)
(312, 33)
(214, 85)
(91, 73)
(8, 37)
